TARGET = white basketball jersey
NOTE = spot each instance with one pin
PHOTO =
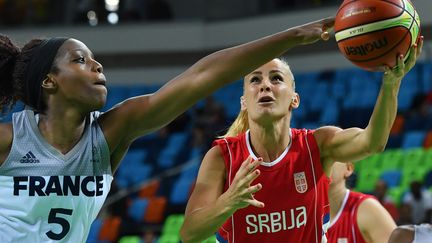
(47, 196)
(423, 233)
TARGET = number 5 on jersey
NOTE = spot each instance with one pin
(55, 217)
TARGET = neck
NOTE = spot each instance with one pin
(61, 128)
(271, 140)
(337, 194)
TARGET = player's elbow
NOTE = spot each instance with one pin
(377, 147)
(185, 235)
(402, 234)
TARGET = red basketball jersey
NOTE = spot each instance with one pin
(295, 193)
(344, 228)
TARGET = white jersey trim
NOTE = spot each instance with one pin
(333, 222)
(229, 182)
(315, 188)
(274, 162)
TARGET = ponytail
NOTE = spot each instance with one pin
(240, 125)
(8, 56)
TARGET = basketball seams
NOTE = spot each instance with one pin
(343, 5)
(370, 24)
(382, 33)
(390, 49)
(378, 20)
(385, 53)
(392, 3)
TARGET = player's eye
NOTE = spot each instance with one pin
(80, 60)
(277, 78)
(254, 80)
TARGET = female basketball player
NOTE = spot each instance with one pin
(57, 159)
(354, 216)
(289, 168)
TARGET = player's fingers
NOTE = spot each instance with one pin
(255, 203)
(255, 188)
(387, 70)
(328, 23)
(400, 67)
(246, 162)
(420, 46)
(245, 167)
(242, 173)
(412, 58)
(246, 181)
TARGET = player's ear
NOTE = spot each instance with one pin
(49, 83)
(349, 170)
(295, 101)
(242, 103)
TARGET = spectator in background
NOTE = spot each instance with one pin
(149, 236)
(380, 192)
(212, 118)
(405, 215)
(420, 201)
(419, 116)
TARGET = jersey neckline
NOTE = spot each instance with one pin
(34, 119)
(264, 163)
(333, 222)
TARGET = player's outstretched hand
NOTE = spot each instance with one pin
(315, 31)
(397, 73)
(241, 194)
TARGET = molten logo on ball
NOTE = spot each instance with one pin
(367, 48)
(373, 33)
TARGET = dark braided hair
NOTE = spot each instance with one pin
(13, 64)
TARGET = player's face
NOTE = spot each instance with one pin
(269, 91)
(79, 79)
(339, 172)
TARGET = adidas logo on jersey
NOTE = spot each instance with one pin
(29, 158)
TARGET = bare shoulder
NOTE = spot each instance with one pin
(370, 209)
(213, 160)
(324, 133)
(6, 135)
(119, 122)
(375, 223)
(210, 181)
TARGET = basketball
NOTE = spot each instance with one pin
(372, 33)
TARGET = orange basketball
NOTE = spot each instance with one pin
(372, 33)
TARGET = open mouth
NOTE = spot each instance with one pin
(266, 99)
(101, 82)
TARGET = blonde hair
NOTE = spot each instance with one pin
(241, 123)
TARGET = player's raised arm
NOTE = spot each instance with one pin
(353, 144)
(140, 115)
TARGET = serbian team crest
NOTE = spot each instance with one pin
(300, 182)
